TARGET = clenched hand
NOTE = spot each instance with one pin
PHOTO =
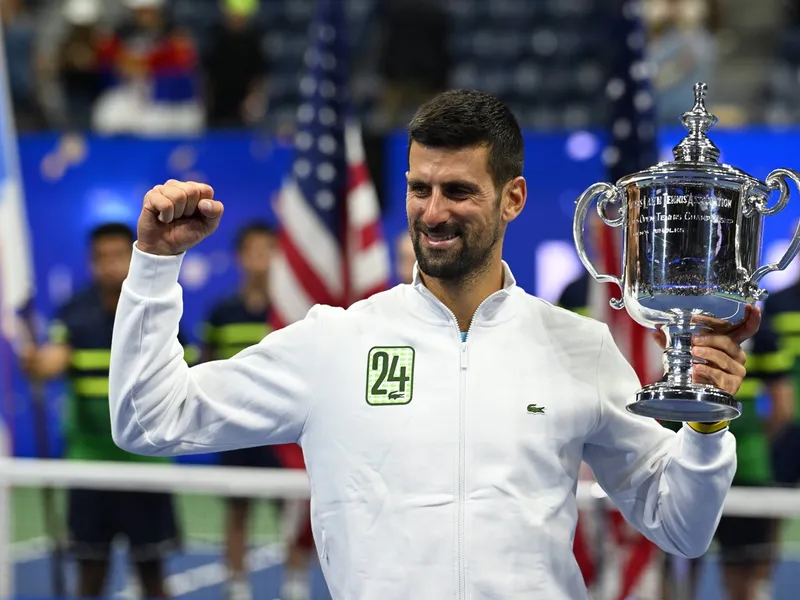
(177, 216)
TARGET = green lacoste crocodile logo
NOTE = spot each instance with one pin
(536, 410)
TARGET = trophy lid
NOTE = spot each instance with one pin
(696, 156)
(696, 147)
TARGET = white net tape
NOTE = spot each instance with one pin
(264, 484)
(287, 483)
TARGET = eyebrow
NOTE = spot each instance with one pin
(455, 183)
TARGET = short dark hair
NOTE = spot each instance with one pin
(463, 118)
(257, 228)
(111, 230)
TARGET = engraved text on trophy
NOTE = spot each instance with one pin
(686, 240)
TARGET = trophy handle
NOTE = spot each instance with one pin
(605, 194)
(776, 181)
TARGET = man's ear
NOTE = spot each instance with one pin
(515, 196)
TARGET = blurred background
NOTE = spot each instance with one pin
(109, 98)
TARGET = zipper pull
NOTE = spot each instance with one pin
(463, 355)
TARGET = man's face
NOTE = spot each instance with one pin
(454, 211)
(256, 254)
(110, 260)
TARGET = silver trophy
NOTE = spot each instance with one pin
(692, 248)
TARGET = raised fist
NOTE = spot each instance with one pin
(177, 216)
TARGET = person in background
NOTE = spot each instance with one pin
(405, 259)
(748, 544)
(23, 69)
(77, 64)
(782, 309)
(236, 97)
(79, 348)
(412, 72)
(235, 323)
(682, 50)
(154, 69)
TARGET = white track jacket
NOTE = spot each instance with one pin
(438, 468)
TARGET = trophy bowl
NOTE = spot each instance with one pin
(692, 234)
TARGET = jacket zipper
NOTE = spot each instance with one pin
(462, 458)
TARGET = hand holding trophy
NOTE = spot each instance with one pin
(692, 232)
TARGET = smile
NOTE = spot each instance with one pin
(440, 240)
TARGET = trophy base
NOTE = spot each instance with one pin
(693, 402)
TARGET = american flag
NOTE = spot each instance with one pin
(331, 246)
(626, 556)
(633, 147)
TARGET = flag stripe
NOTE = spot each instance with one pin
(292, 303)
(369, 269)
(358, 176)
(305, 276)
(311, 238)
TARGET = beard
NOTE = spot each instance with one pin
(466, 259)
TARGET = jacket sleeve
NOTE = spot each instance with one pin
(670, 486)
(160, 406)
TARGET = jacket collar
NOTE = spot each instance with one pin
(493, 309)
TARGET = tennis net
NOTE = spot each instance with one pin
(36, 563)
(33, 520)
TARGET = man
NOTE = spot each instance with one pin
(80, 349)
(234, 324)
(443, 423)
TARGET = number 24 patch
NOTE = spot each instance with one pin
(390, 375)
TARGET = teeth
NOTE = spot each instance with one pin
(441, 238)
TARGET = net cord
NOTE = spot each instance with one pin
(265, 483)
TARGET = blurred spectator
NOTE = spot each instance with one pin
(782, 314)
(414, 58)
(405, 259)
(234, 323)
(78, 63)
(19, 28)
(748, 545)
(682, 51)
(792, 8)
(79, 348)
(236, 68)
(779, 104)
(152, 65)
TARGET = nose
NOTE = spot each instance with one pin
(436, 209)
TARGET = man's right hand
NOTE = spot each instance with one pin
(177, 216)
